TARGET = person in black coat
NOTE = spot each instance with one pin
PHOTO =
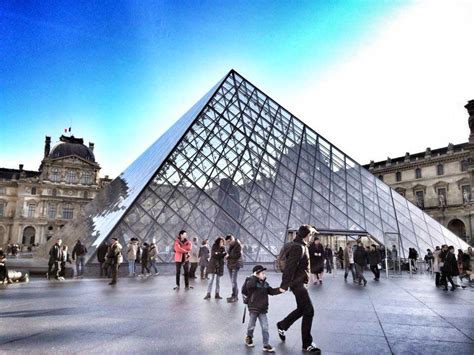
(55, 258)
(328, 256)
(216, 267)
(102, 257)
(317, 256)
(295, 277)
(234, 263)
(374, 260)
(257, 290)
(450, 268)
(360, 261)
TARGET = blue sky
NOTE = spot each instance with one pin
(121, 72)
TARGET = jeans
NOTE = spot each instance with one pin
(233, 273)
(192, 270)
(203, 274)
(185, 271)
(263, 320)
(145, 267)
(131, 267)
(153, 265)
(329, 265)
(347, 268)
(304, 308)
(375, 270)
(360, 272)
(115, 269)
(211, 281)
(80, 265)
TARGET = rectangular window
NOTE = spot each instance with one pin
(87, 178)
(52, 210)
(71, 177)
(68, 211)
(464, 165)
(418, 173)
(440, 169)
(398, 176)
(420, 198)
(33, 190)
(3, 191)
(31, 210)
(2, 209)
(55, 175)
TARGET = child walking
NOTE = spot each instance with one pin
(255, 292)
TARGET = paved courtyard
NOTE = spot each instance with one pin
(400, 315)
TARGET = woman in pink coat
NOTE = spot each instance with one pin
(181, 248)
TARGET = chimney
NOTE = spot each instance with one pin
(21, 167)
(388, 162)
(428, 153)
(470, 109)
(407, 157)
(371, 165)
(47, 146)
(91, 146)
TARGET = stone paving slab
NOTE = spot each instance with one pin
(402, 315)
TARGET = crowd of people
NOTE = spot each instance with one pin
(303, 261)
(447, 267)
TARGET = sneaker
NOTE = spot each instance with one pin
(188, 288)
(217, 297)
(281, 333)
(249, 341)
(156, 273)
(176, 288)
(208, 296)
(268, 349)
(112, 283)
(312, 349)
(231, 299)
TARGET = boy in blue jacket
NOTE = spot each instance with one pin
(255, 292)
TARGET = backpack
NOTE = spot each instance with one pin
(244, 291)
(283, 256)
(80, 249)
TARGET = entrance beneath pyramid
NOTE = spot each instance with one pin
(336, 241)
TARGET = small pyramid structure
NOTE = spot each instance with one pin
(239, 163)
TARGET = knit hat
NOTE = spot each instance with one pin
(258, 268)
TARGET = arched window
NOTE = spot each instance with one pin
(71, 177)
(68, 211)
(418, 173)
(440, 169)
(398, 176)
(55, 177)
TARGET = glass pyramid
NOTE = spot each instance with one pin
(239, 163)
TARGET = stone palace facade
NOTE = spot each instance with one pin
(439, 181)
(34, 205)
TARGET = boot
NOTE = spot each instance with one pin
(217, 297)
(208, 296)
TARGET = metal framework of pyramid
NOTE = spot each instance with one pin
(239, 163)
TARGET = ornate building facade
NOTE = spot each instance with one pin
(438, 181)
(34, 205)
